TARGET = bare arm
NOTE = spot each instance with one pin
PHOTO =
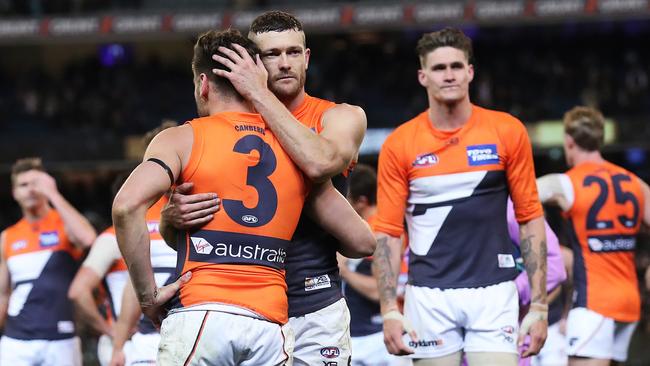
(127, 321)
(77, 227)
(333, 213)
(533, 252)
(146, 184)
(81, 294)
(5, 283)
(385, 268)
(556, 189)
(323, 155)
(363, 284)
(320, 156)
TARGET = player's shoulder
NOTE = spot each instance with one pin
(500, 119)
(406, 130)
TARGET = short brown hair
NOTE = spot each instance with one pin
(275, 21)
(363, 182)
(447, 37)
(586, 126)
(208, 44)
(25, 165)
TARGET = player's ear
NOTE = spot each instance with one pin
(470, 72)
(422, 78)
(307, 55)
(204, 86)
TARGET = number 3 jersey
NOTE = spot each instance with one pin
(42, 263)
(238, 258)
(452, 188)
(605, 215)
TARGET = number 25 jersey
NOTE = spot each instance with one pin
(238, 258)
(605, 218)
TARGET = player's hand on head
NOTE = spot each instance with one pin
(395, 325)
(187, 211)
(155, 310)
(45, 184)
(247, 74)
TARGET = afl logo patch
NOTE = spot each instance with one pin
(425, 160)
(330, 352)
(249, 219)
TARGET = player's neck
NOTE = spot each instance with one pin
(587, 157)
(230, 105)
(293, 103)
(37, 213)
(445, 116)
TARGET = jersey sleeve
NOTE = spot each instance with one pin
(103, 254)
(392, 191)
(520, 172)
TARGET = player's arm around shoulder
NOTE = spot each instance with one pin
(344, 127)
(333, 213)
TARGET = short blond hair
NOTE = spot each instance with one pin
(586, 126)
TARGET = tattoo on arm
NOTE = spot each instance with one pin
(386, 279)
(535, 264)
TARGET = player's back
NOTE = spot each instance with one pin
(238, 258)
(42, 263)
(605, 218)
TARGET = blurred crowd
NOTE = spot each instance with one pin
(548, 74)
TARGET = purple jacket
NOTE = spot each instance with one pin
(556, 273)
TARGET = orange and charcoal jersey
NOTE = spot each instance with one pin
(312, 271)
(605, 218)
(42, 263)
(238, 258)
(452, 188)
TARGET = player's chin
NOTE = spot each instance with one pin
(286, 89)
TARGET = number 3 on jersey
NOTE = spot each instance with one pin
(621, 197)
(257, 177)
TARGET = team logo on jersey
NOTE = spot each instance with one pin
(330, 352)
(49, 239)
(201, 245)
(249, 219)
(425, 160)
(424, 343)
(482, 154)
(611, 243)
(315, 283)
(18, 245)
(506, 261)
(507, 333)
